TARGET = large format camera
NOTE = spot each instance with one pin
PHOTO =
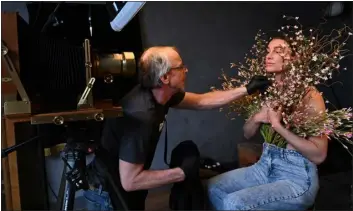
(48, 74)
(58, 77)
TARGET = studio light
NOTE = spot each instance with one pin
(121, 12)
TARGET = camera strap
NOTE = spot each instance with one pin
(166, 142)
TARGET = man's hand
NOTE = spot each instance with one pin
(190, 166)
(257, 83)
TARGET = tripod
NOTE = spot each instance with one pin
(74, 173)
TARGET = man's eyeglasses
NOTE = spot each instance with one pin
(182, 66)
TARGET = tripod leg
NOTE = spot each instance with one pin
(59, 202)
(117, 192)
(69, 194)
(114, 192)
(75, 177)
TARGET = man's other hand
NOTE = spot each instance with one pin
(190, 166)
(257, 83)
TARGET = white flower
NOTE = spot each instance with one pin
(309, 79)
(295, 26)
(296, 18)
(314, 58)
(350, 33)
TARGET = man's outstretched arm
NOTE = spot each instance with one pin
(210, 100)
(218, 99)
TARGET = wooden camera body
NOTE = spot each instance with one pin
(100, 71)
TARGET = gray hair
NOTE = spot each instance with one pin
(154, 63)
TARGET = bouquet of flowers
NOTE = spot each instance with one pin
(316, 58)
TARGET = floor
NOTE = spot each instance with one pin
(335, 193)
(158, 201)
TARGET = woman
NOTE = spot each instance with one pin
(283, 178)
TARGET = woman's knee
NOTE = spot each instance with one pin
(234, 203)
(214, 193)
(212, 189)
(214, 184)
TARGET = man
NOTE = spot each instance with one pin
(131, 141)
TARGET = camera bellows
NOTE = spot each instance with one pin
(57, 74)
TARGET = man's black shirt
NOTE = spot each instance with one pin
(133, 138)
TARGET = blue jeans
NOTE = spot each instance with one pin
(97, 200)
(281, 180)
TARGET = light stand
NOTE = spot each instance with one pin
(7, 151)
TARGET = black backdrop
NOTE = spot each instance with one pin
(209, 36)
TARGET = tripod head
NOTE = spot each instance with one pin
(78, 145)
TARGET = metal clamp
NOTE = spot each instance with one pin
(88, 65)
(13, 72)
(84, 115)
(86, 93)
(14, 107)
